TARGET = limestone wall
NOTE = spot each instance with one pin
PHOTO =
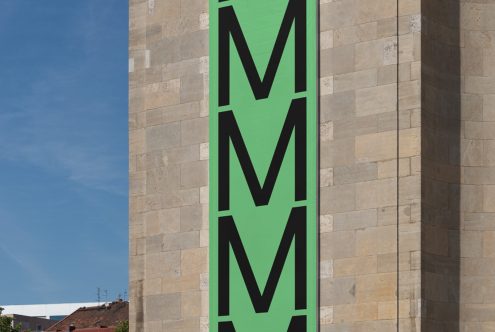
(168, 138)
(477, 271)
(360, 188)
(359, 182)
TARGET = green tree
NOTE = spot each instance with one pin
(6, 324)
(121, 327)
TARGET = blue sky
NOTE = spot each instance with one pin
(63, 150)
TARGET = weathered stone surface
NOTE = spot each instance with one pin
(445, 172)
(163, 307)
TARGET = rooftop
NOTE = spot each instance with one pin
(106, 315)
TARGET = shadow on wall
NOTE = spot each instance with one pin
(441, 165)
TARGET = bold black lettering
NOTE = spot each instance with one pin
(229, 26)
(297, 324)
(228, 130)
(228, 236)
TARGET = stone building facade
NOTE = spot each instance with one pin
(407, 165)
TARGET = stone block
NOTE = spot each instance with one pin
(356, 312)
(194, 131)
(337, 14)
(374, 10)
(338, 152)
(386, 27)
(178, 155)
(373, 54)
(326, 39)
(489, 244)
(204, 151)
(194, 261)
(335, 245)
(194, 174)
(355, 220)
(337, 291)
(472, 61)
(163, 136)
(409, 95)
(158, 179)
(375, 194)
(191, 218)
(472, 152)
(409, 142)
(374, 100)
(326, 131)
(178, 241)
(354, 34)
(377, 240)
(472, 107)
(204, 195)
(169, 220)
(194, 44)
(191, 304)
(326, 177)
(162, 265)
(152, 286)
(471, 198)
(337, 60)
(176, 70)
(480, 85)
(355, 173)
(489, 152)
(489, 198)
(409, 189)
(326, 269)
(376, 147)
(180, 284)
(161, 94)
(191, 88)
(354, 266)
(154, 244)
(479, 175)
(471, 244)
(355, 80)
(182, 325)
(162, 307)
(355, 126)
(326, 223)
(337, 199)
(338, 106)
(376, 287)
(326, 85)
(326, 315)
(165, 50)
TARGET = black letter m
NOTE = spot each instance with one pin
(228, 130)
(228, 236)
(229, 26)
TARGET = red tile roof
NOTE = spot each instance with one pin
(96, 329)
(106, 315)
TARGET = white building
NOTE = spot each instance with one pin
(48, 311)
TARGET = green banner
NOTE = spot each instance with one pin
(263, 166)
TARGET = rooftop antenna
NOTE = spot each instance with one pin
(106, 296)
(125, 295)
(98, 294)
